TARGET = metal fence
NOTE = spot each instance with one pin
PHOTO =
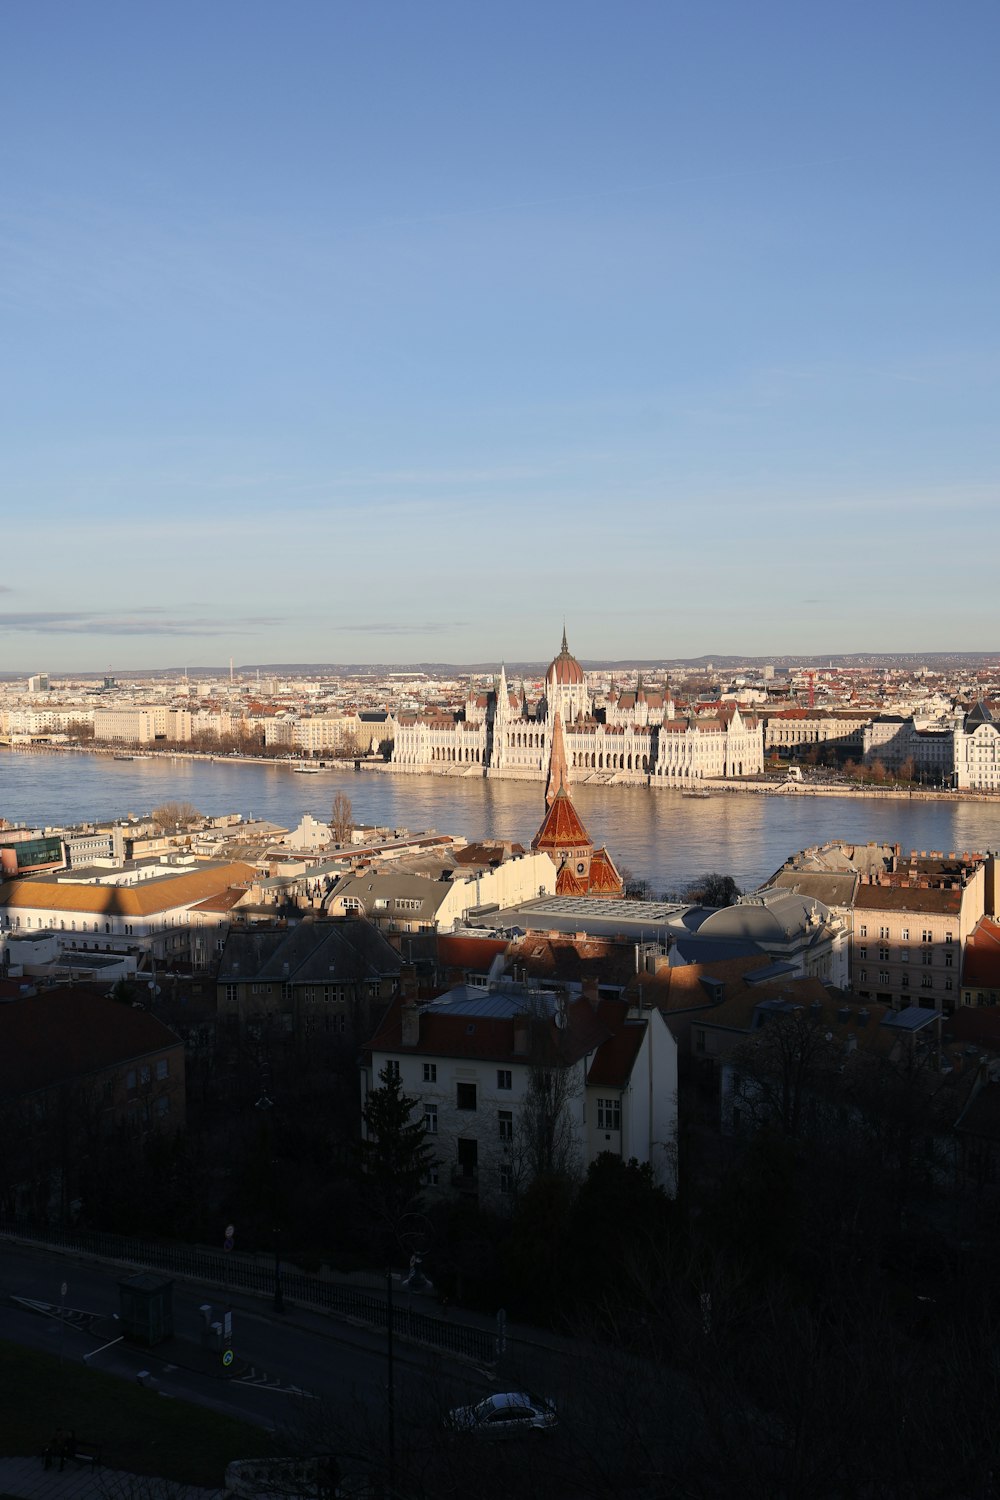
(245, 1273)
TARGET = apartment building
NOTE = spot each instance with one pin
(911, 926)
(511, 1081)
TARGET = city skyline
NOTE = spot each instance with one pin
(326, 329)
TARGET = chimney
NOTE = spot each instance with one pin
(521, 1035)
(408, 981)
(410, 1024)
(843, 1014)
(589, 991)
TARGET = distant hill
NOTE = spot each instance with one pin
(936, 660)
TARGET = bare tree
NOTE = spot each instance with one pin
(171, 817)
(544, 1140)
(341, 819)
(780, 1069)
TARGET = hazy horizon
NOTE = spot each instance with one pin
(339, 332)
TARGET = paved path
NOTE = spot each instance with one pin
(29, 1479)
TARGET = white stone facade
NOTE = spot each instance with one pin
(637, 740)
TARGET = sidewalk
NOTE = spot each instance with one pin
(28, 1479)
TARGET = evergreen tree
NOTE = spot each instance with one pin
(395, 1156)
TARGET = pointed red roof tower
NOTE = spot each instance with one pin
(566, 841)
(558, 777)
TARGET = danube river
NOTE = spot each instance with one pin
(661, 835)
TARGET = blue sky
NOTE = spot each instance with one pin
(397, 332)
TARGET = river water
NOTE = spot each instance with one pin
(661, 835)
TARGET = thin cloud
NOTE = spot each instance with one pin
(150, 622)
(428, 627)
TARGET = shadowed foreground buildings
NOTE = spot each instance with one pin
(75, 1066)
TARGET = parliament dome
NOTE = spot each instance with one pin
(565, 669)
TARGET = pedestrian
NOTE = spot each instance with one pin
(68, 1449)
(53, 1447)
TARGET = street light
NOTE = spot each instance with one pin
(265, 1105)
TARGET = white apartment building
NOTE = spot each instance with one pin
(977, 752)
(30, 723)
(158, 910)
(397, 901)
(511, 1081)
(141, 725)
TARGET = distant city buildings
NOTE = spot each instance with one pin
(701, 723)
(631, 737)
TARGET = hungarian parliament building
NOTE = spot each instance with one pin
(635, 737)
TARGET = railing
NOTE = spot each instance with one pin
(221, 1268)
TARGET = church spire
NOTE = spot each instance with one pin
(565, 643)
(558, 778)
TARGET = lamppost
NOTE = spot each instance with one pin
(266, 1105)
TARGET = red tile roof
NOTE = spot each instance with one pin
(476, 953)
(561, 827)
(615, 1058)
(69, 1033)
(982, 956)
(604, 879)
(488, 1038)
(907, 898)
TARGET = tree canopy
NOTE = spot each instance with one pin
(395, 1156)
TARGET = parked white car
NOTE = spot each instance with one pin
(504, 1416)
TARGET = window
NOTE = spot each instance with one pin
(430, 1072)
(862, 952)
(144, 1073)
(949, 960)
(699, 1041)
(503, 1078)
(904, 954)
(863, 975)
(465, 1096)
(927, 936)
(163, 1105)
(926, 981)
(505, 1124)
(883, 932)
(609, 1114)
(130, 1079)
(431, 1119)
(863, 931)
(926, 957)
(506, 1177)
(905, 981)
(949, 984)
(232, 994)
(883, 977)
(431, 1176)
(391, 1069)
(162, 1068)
(905, 934)
(883, 954)
(948, 937)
